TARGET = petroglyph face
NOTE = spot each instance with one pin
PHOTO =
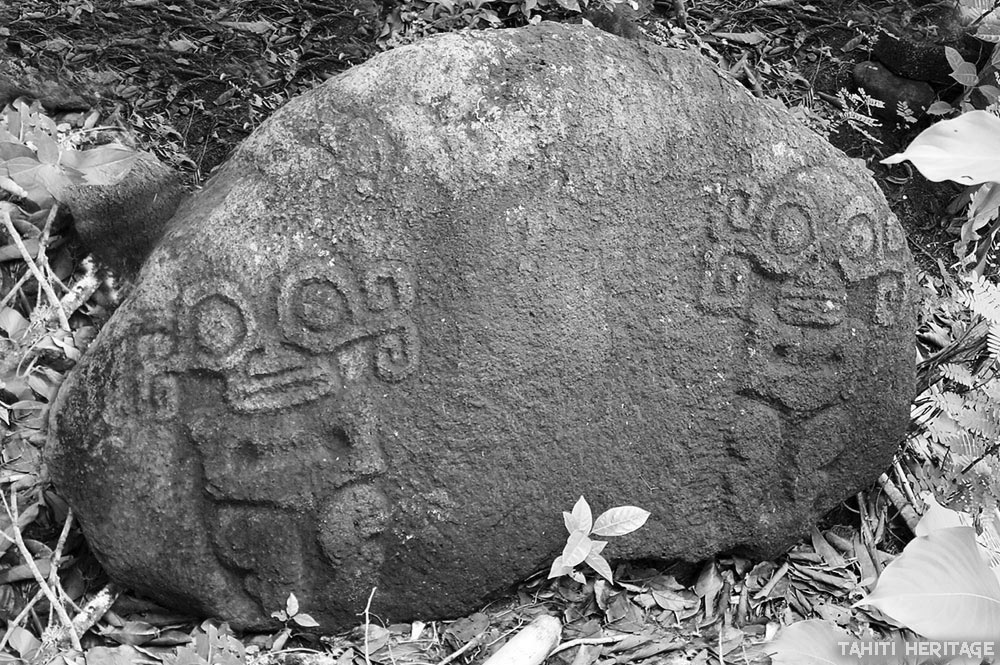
(297, 362)
(784, 262)
(323, 312)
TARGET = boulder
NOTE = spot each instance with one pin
(429, 304)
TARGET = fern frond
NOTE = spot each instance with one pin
(983, 298)
(958, 374)
(993, 341)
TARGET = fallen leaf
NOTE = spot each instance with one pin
(748, 38)
(256, 27)
(182, 45)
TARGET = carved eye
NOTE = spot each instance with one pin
(321, 305)
(790, 231)
(860, 240)
(219, 324)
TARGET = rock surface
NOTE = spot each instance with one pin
(429, 304)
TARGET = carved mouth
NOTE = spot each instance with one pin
(289, 387)
(811, 306)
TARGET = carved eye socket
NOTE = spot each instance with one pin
(219, 324)
(791, 232)
(860, 241)
(321, 305)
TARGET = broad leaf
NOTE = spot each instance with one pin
(10, 150)
(578, 546)
(599, 564)
(104, 165)
(12, 323)
(559, 569)
(305, 620)
(47, 149)
(985, 202)
(619, 521)
(962, 71)
(22, 641)
(581, 519)
(812, 642)
(941, 588)
(965, 149)
(937, 517)
(292, 605)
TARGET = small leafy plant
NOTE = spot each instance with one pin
(580, 548)
(291, 615)
(38, 160)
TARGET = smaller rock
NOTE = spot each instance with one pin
(926, 61)
(621, 19)
(120, 223)
(906, 101)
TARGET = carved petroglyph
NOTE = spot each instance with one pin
(804, 276)
(292, 366)
(771, 235)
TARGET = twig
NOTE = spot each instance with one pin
(778, 574)
(11, 508)
(19, 619)
(96, 608)
(14, 290)
(901, 503)
(84, 621)
(904, 482)
(581, 641)
(471, 644)
(368, 622)
(26, 255)
(868, 537)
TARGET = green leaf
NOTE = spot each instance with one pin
(104, 165)
(10, 150)
(12, 323)
(962, 71)
(12, 253)
(965, 149)
(940, 587)
(305, 620)
(292, 605)
(619, 521)
(940, 108)
(812, 642)
(23, 642)
(132, 633)
(581, 519)
(600, 565)
(558, 568)
(47, 149)
(578, 546)
(937, 517)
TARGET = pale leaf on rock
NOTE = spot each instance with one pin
(619, 521)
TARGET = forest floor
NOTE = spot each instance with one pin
(192, 78)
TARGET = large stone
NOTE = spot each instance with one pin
(432, 302)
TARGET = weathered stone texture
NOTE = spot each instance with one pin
(430, 303)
